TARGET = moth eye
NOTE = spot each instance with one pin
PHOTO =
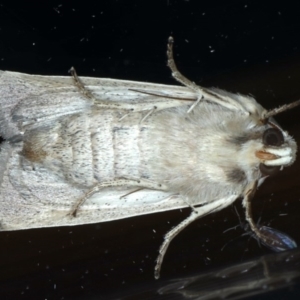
(273, 137)
(268, 170)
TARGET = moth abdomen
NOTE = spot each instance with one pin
(86, 149)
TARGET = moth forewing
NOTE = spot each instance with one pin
(33, 99)
(88, 150)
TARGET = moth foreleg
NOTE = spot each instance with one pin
(198, 212)
(142, 183)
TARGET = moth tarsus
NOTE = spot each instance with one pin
(116, 149)
(82, 89)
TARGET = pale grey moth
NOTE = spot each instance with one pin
(88, 150)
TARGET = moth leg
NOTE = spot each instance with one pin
(132, 192)
(199, 212)
(124, 116)
(202, 93)
(199, 98)
(260, 233)
(100, 103)
(81, 86)
(115, 105)
(150, 112)
(142, 183)
(179, 77)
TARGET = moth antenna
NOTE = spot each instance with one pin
(281, 109)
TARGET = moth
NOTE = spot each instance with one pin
(88, 150)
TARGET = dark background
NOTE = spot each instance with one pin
(242, 46)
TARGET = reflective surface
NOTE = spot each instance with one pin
(238, 46)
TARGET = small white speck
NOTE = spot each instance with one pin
(245, 271)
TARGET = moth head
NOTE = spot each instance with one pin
(279, 149)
